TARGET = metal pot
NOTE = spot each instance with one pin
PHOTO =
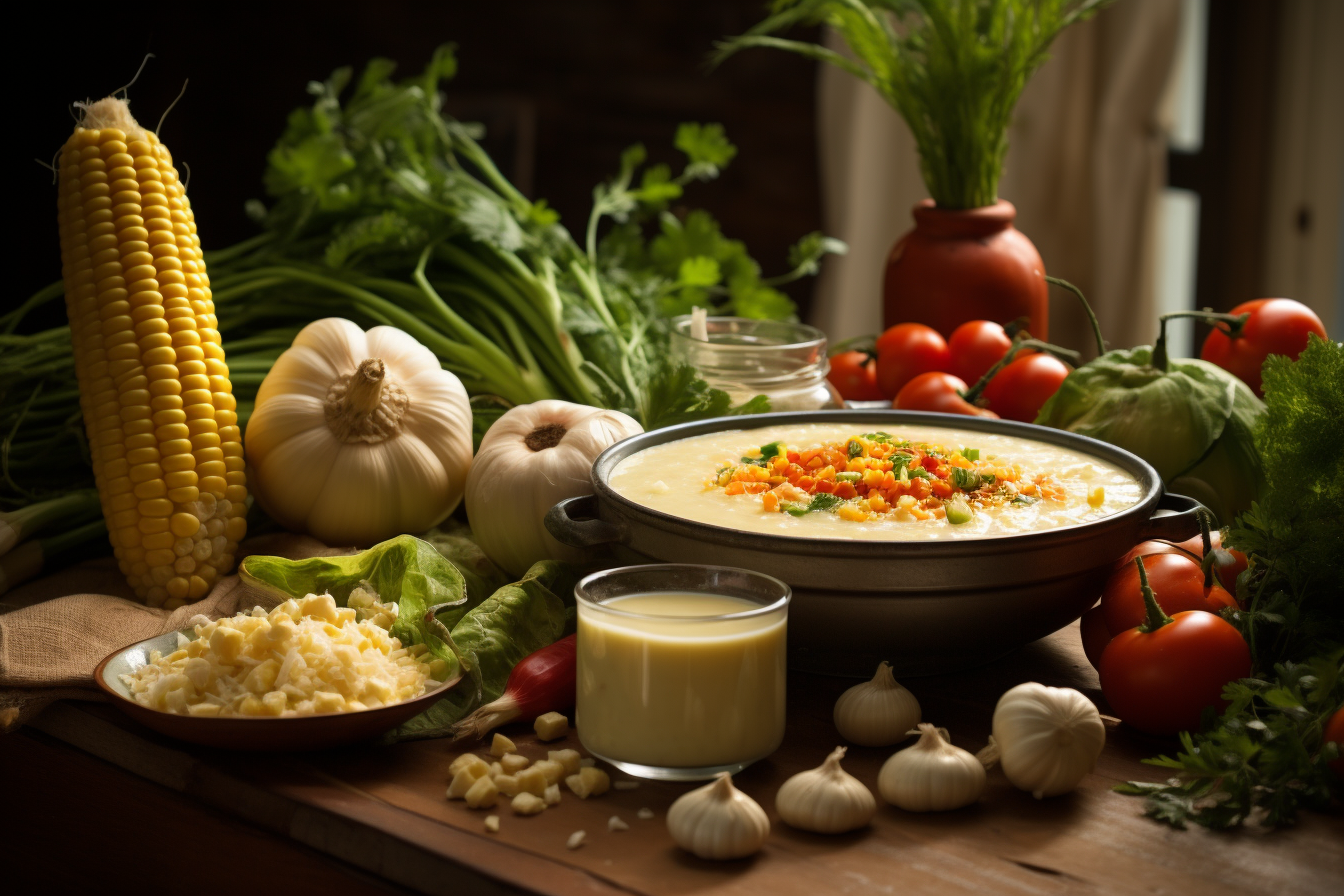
(925, 607)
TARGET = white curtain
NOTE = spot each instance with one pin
(1086, 163)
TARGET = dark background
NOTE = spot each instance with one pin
(562, 88)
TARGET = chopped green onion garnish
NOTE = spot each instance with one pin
(847, 477)
(958, 512)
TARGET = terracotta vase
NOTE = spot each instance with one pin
(960, 265)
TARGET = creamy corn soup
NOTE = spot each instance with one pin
(847, 480)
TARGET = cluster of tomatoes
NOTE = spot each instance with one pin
(917, 370)
(1159, 671)
(912, 366)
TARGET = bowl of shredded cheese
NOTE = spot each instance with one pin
(304, 675)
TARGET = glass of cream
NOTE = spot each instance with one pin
(681, 668)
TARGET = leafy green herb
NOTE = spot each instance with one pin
(953, 69)
(820, 502)
(1262, 760)
(854, 449)
(1025, 499)
(918, 473)
(678, 395)
(880, 437)
(768, 453)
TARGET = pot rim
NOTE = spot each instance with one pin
(1018, 543)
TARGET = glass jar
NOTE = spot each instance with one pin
(785, 362)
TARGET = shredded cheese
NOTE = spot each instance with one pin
(305, 657)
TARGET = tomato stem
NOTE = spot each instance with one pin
(1156, 618)
(1022, 341)
(1231, 324)
(1091, 315)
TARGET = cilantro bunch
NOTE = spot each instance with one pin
(1265, 757)
(386, 210)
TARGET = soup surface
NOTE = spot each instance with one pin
(848, 480)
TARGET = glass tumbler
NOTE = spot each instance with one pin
(681, 668)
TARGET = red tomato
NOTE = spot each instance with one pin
(854, 375)
(1176, 579)
(976, 346)
(1275, 327)
(1018, 390)
(1334, 733)
(1095, 635)
(1160, 681)
(939, 392)
(904, 352)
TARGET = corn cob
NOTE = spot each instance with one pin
(154, 389)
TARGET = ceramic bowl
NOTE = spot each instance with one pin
(314, 732)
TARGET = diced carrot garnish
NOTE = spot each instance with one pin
(734, 488)
(755, 488)
(942, 489)
(845, 490)
(825, 486)
(770, 502)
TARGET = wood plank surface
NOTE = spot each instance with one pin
(382, 809)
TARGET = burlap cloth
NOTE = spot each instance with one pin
(55, 630)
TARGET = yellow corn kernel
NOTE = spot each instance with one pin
(131, 261)
(1097, 496)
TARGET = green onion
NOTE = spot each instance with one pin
(959, 512)
(847, 477)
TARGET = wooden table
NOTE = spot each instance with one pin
(376, 820)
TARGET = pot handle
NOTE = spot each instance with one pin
(1179, 524)
(574, 522)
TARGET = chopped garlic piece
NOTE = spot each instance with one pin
(614, 823)
(463, 781)
(552, 794)
(570, 760)
(625, 785)
(508, 785)
(496, 769)
(587, 762)
(575, 839)
(588, 782)
(469, 760)
(492, 824)
(305, 657)
(501, 746)
(551, 726)
(527, 804)
(482, 795)
(551, 770)
(532, 780)
(644, 814)
(513, 763)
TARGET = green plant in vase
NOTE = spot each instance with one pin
(954, 70)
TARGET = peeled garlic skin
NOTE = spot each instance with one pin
(718, 821)
(876, 713)
(931, 776)
(1048, 738)
(826, 799)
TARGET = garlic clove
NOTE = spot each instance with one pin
(1047, 738)
(718, 821)
(826, 799)
(876, 713)
(932, 775)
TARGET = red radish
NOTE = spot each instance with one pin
(541, 682)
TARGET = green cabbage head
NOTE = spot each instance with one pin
(1192, 421)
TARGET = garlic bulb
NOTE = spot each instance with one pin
(532, 457)
(931, 775)
(718, 821)
(826, 799)
(1047, 738)
(877, 713)
(357, 437)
